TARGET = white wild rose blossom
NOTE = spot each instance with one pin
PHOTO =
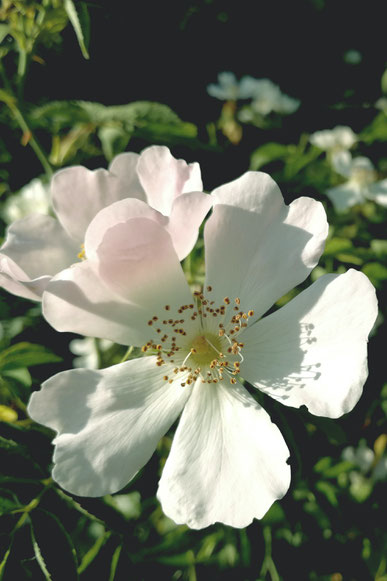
(33, 197)
(39, 246)
(340, 138)
(228, 461)
(361, 184)
(266, 96)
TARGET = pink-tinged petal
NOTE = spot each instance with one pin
(138, 262)
(118, 213)
(257, 248)
(164, 178)
(124, 166)
(77, 301)
(187, 214)
(78, 194)
(35, 249)
(227, 463)
(313, 351)
(14, 280)
(108, 422)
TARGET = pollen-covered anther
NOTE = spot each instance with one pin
(82, 254)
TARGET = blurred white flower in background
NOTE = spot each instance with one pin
(34, 197)
(230, 89)
(382, 104)
(266, 96)
(86, 349)
(341, 138)
(369, 468)
(362, 456)
(361, 184)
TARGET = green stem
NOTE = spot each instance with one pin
(12, 104)
(33, 504)
(128, 352)
(268, 565)
(32, 141)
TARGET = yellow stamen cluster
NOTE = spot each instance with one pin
(82, 254)
(200, 349)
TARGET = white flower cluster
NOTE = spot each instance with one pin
(361, 182)
(266, 97)
(108, 266)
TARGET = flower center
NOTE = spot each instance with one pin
(205, 348)
(363, 176)
(82, 254)
(200, 340)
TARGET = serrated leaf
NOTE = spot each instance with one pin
(91, 554)
(26, 355)
(114, 140)
(55, 545)
(39, 557)
(58, 114)
(75, 20)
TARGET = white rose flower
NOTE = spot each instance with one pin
(228, 461)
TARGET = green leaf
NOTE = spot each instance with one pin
(81, 29)
(91, 554)
(349, 258)
(54, 546)
(114, 562)
(25, 355)
(114, 140)
(328, 490)
(267, 153)
(384, 81)
(335, 245)
(4, 31)
(8, 501)
(39, 557)
(379, 246)
(376, 272)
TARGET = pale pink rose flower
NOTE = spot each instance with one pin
(228, 461)
(38, 247)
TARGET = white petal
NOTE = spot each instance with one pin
(39, 246)
(14, 280)
(378, 192)
(257, 248)
(345, 196)
(108, 422)
(124, 166)
(138, 262)
(77, 301)
(313, 351)
(164, 178)
(342, 162)
(35, 249)
(187, 214)
(78, 194)
(227, 463)
(116, 213)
